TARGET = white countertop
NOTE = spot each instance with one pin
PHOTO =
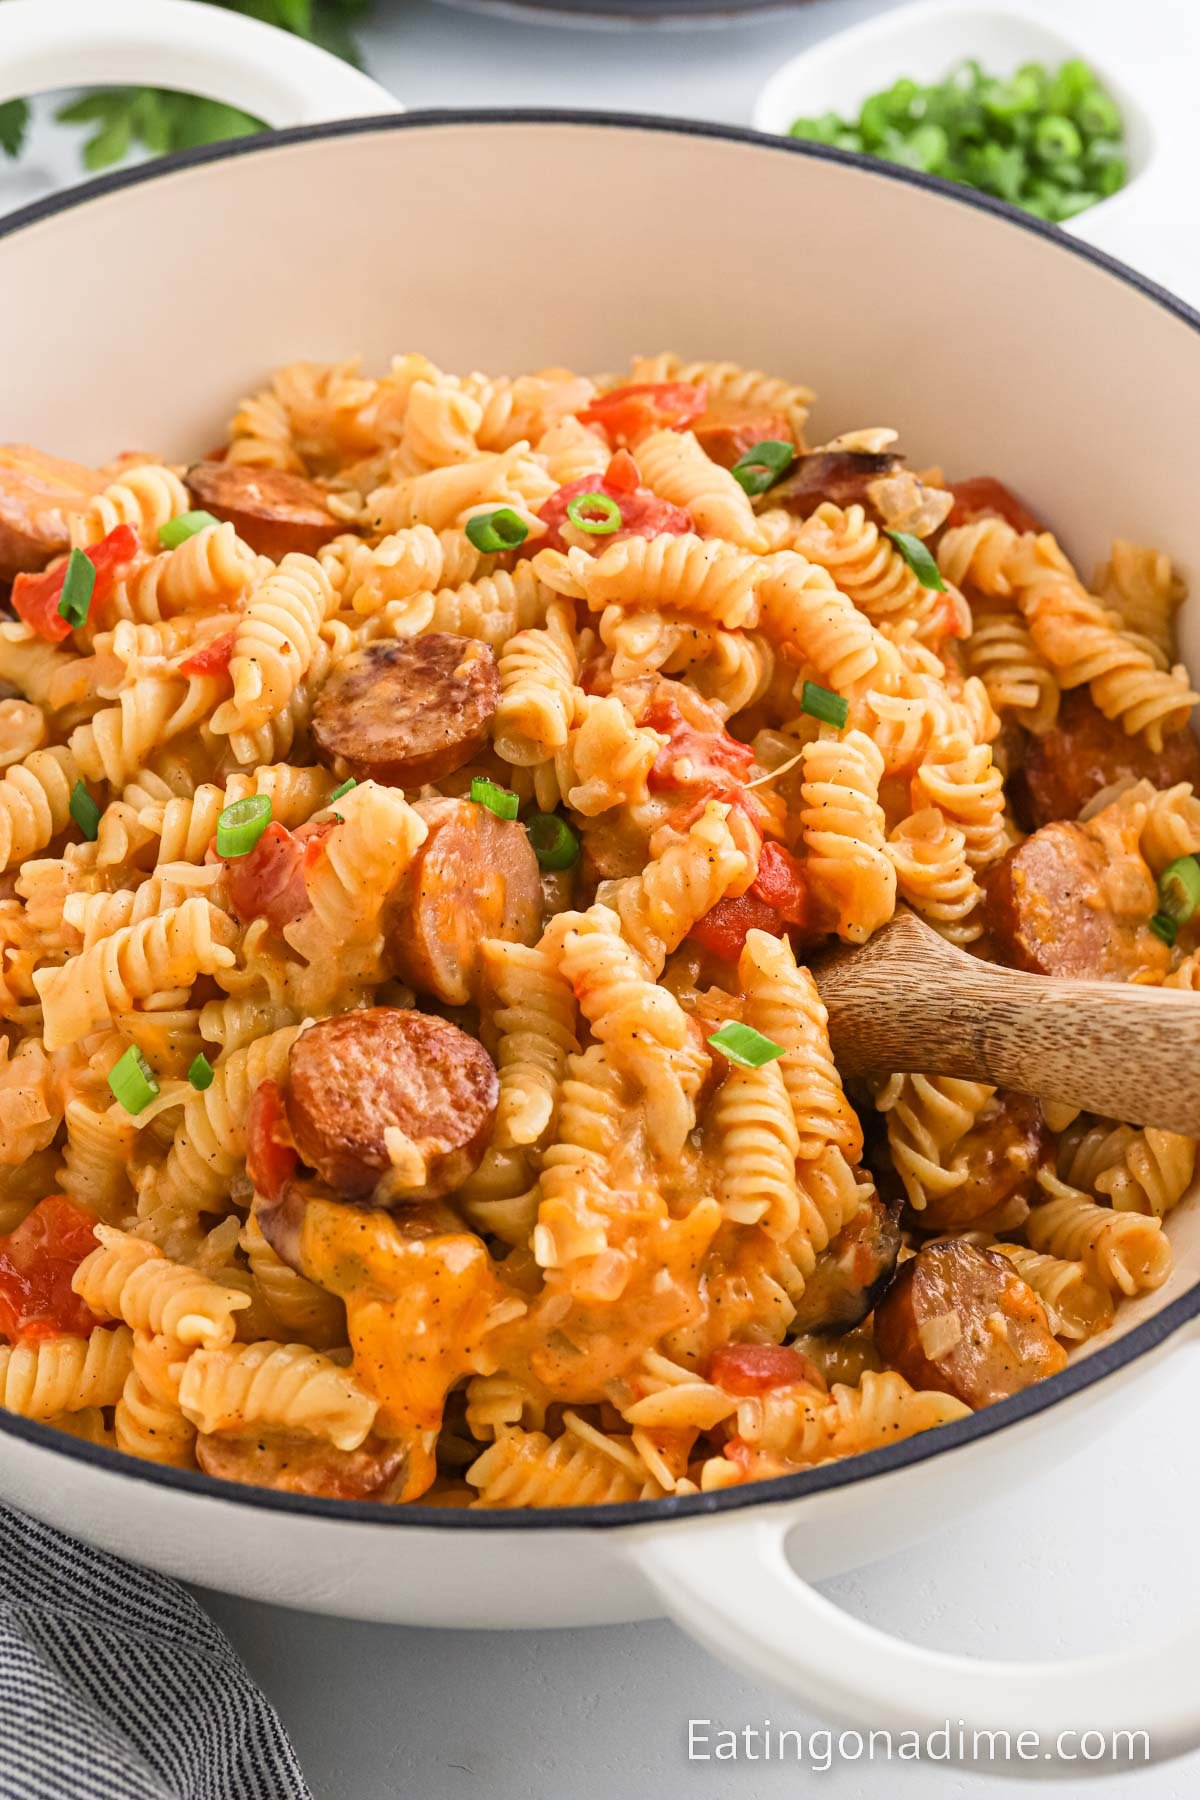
(1089, 1554)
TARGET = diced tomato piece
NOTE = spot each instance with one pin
(212, 658)
(782, 883)
(777, 899)
(271, 1159)
(708, 756)
(270, 881)
(37, 1262)
(643, 514)
(723, 928)
(754, 1368)
(35, 598)
(984, 494)
(628, 413)
(622, 475)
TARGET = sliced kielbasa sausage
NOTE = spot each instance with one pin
(1085, 752)
(292, 1464)
(38, 494)
(474, 877)
(1076, 900)
(270, 510)
(842, 476)
(727, 429)
(961, 1320)
(355, 1079)
(409, 711)
(1000, 1157)
(851, 1273)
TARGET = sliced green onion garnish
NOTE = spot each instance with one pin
(132, 1080)
(345, 787)
(201, 1072)
(762, 465)
(242, 823)
(919, 558)
(495, 532)
(498, 800)
(177, 531)
(742, 1044)
(76, 594)
(85, 812)
(1164, 926)
(821, 703)
(1179, 889)
(554, 843)
(609, 512)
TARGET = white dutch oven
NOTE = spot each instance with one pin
(134, 309)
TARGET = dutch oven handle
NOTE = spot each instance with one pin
(727, 1581)
(179, 44)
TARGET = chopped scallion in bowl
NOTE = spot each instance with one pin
(1051, 141)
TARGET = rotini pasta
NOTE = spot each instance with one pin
(410, 1062)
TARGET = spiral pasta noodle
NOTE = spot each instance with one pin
(843, 832)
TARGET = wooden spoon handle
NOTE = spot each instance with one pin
(1129, 1053)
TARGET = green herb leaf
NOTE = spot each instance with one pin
(85, 812)
(919, 558)
(742, 1044)
(822, 703)
(14, 123)
(498, 800)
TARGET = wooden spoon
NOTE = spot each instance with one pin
(909, 1000)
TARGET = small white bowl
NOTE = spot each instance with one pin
(926, 42)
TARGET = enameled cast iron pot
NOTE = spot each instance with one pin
(135, 309)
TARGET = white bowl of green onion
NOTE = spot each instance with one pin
(982, 95)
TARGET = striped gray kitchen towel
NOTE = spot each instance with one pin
(116, 1685)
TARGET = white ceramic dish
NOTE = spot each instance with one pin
(926, 42)
(133, 310)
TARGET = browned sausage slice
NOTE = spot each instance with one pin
(353, 1078)
(474, 877)
(295, 1464)
(843, 476)
(961, 1320)
(38, 493)
(1085, 752)
(408, 711)
(851, 1272)
(726, 429)
(1076, 900)
(270, 510)
(999, 1157)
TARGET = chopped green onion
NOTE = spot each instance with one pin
(582, 511)
(85, 812)
(241, 825)
(495, 532)
(762, 465)
(1179, 889)
(1027, 138)
(742, 1044)
(498, 800)
(76, 594)
(132, 1080)
(201, 1073)
(1164, 926)
(176, 531)
(343, 789)
(919, 558)
(821, 703)
(554, 843)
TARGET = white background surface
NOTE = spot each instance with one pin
(1083, 1556)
